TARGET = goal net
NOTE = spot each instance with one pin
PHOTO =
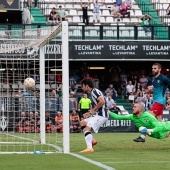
(28, 115)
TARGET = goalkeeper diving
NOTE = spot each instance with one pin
(146, 122)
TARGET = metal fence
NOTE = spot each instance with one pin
(103, 32)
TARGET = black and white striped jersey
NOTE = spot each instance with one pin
(95, 93)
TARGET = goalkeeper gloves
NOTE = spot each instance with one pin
(145, 130)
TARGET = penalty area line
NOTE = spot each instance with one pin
(92, 162)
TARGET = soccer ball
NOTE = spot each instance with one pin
(29, 82)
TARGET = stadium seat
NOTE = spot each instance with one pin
(80, 13)
(124, 33)
(109, 19)
(135, 7)
(131, 98)
(106, 13)
(94, 33)
(125, 112)
(165, 6)
(110, 33)
(77, 6)
(134, 20)
(126, 20)
(138, 13)
(76, 19)
(73, 12)
(102, 19)
(68, 6)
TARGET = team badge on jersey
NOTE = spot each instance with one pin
(145, 120)
(158, 81)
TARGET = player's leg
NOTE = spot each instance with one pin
(90, 141)
(88, 136)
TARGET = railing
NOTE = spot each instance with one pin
(104, 32)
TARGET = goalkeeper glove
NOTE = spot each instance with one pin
(143, 129)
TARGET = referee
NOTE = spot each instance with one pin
(85, 104)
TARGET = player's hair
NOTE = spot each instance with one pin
(88, 82)
(157, 64)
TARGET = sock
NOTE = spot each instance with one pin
(92, 138)
(143, 136)
(88, 139)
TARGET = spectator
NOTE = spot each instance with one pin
(168, 10)
(116, 109)
(118, 2)
(22, 123)
(52, 77)
(59, 122)
(25, 93)
(109, 102)
(112, 92)
(135, 80)
(129, 89)
(48, 122)
(74, 122)
(19, 102)
(35, 3)
(143, 81)
(32, 122)
(61, 14)
(76, 77)
(115, 10)
(138, 87)
(37, 119)
(123, 10)
(72, 101)
(146, 21)
(53, 15)
(85, 105)
(54, 100)
(167, 96)
(96, 11)
(85, 14)
(72, 84)
(167, 107)
(115, 77)
(129, 3)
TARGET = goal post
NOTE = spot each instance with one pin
(22, 55)
(65, 72)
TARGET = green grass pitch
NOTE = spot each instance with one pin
(116, 150)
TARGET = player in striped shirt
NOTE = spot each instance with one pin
(95, 117)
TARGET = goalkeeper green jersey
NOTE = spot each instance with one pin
(147, 120)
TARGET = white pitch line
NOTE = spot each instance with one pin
(99, 164)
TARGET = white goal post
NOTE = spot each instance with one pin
(12, 141)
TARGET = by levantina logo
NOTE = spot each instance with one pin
(10, 2)
(3, 122)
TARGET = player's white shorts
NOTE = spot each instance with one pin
(96, 16)
(95, 122)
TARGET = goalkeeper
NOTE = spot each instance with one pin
(146, 122)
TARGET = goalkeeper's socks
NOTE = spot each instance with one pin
(88, 139)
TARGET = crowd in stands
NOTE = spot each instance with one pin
(131, 85)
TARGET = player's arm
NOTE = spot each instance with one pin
(101, 102)
(121, 117)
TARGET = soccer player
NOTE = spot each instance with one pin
(146, 122)
(159, 86)
(95, 117)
